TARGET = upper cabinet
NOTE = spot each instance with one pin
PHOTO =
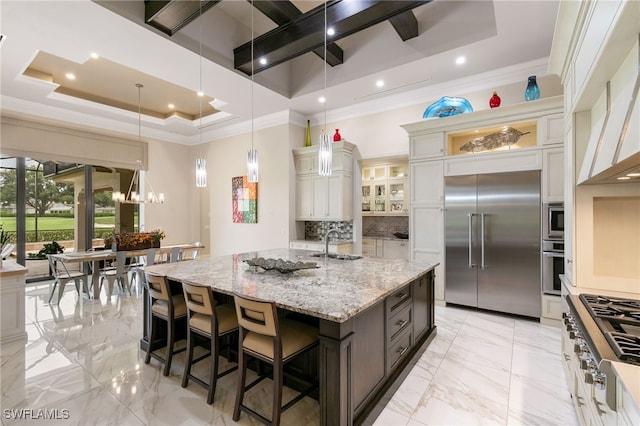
(324, 197)
(385, 188)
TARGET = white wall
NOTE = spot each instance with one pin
(226, 158)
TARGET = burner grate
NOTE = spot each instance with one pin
(626, 346)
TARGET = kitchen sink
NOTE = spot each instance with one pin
(339, 256)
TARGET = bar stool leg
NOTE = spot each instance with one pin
(242, 367)
(213, 374)
(187, 363)
(152, 337)
(169, 356)
(277, 391)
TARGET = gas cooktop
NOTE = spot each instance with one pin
(619, 321)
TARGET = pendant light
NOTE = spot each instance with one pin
(201, 163)
(137, 197)
(325, 151)
(252, 154)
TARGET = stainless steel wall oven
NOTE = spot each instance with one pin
(552, 266)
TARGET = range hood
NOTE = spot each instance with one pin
(613, 150)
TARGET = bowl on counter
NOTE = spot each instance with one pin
(401, 235)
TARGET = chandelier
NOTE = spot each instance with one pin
(137, 197)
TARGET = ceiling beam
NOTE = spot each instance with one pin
(306, 33)
(405, 24)
(169, 16)
(282, 12)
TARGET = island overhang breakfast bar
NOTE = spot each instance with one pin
(373, 315)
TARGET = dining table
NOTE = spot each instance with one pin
(94, 258)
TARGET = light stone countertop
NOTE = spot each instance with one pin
(337, 291)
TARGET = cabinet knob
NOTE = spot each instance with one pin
(569, 260)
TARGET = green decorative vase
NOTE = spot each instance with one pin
(307, 137)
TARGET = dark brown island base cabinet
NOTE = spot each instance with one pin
(360, 359)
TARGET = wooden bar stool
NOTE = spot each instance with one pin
(212, 321)
(167, 307)
(271, 340)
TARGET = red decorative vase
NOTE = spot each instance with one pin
(494, 102)
(336, 136)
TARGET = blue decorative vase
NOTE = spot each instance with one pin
(532, 92)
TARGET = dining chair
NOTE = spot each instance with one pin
(190, 253)
(62, 275)
(118, 273)
(273, 340)
(164, 306)
(136, 270)
(209, 321)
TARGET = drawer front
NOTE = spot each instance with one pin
(399, 349)
(399, 322)
(398, 300)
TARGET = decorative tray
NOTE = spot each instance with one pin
(280, 265)
(447, 106)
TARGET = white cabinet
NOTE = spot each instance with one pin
(551, 129)
(553, 175)
(369, 247)
(324, 197)
(551, 308)
(395, 249)
(385, 189)
(12, 276)
(426, 145)
(427, 182)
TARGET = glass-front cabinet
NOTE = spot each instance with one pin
(383, 189)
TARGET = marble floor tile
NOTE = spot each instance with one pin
(83, 356)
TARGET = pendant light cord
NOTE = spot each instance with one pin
(325, 67)
(252, 78)
(200, 91)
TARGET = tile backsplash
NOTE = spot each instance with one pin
(316, 230)
(384, 226)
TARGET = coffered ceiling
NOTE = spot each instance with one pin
(409, 45)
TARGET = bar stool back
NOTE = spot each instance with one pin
(167, 307)
(208, 319)
(272, 340)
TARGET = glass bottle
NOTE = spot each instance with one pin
(307, 137)
(336, 136)
(532, 92)
(494, 102)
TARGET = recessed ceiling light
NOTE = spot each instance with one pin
(380, 83)
(331, 31)
(461, 60)
(94, 55)
(70, 76)
(200, 93)
(172, 106)
(263, 61)
(322, 99)
(624, 178)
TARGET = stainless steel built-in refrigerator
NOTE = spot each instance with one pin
(493, 242)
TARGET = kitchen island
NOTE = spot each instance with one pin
(373, 315)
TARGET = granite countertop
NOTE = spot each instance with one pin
(336, 291)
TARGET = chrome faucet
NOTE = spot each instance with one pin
(326, 241)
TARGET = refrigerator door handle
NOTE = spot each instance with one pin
(482, 264)
(471, 215)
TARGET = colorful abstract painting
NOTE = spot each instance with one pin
(244, 200)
